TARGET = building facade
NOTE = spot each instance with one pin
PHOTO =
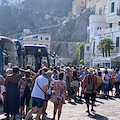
(105, 24)
(37, 39)
(11, 2)
(78, 6)
(91, 3)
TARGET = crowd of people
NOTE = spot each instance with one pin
(27, 92)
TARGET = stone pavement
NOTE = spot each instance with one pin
(106, 109)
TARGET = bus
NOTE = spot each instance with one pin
(31, 54)
(8, 54)
(36, 56)
(8, 57)
(20, 53)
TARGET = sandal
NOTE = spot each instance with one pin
(92, 110)
(87, 111)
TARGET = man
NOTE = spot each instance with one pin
(117, 82)
(38, 94)
(84, 73)
(91, 82)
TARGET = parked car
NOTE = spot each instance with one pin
(110, 71)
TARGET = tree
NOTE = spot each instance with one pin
(106, 45)
(109, 45)
(79, 55)
(102, 46)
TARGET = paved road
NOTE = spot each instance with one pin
(106, 109)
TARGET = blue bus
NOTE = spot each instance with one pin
(8, 54)
(36, 56)
(30, 54)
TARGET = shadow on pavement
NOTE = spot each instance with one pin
(97, 117)
(73, 103)
(79, 101)
(47, 118)
(99, 102)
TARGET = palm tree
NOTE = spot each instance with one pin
(109, 45)
(102, 46)
(106, 45)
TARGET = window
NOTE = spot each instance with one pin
(100, 11)
(119, 23)
(88, 48)
(110, 25)
(46, 38)
(112, 7)
(117, 41)
(105, 10)
(41, 38)
(94, 47)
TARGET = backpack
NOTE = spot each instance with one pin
(90, 83)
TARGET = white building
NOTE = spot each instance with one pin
(37, 39)
(11, 2)
(105, 24)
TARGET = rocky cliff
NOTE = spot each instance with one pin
(75, 30)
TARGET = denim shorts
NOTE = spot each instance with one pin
(105, 87)
(47, 98)
(37, 102)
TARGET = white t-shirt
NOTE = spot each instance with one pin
(106, 81)
(37, 92)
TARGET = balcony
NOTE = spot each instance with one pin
(118, 11)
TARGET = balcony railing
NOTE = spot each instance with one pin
(118, 11)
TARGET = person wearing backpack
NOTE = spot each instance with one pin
(90, 83)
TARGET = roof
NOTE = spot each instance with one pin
(6, 38)
(27, 45)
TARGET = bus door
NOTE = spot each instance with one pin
(38, 62)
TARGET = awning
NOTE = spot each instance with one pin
(117, 59)
(102, 60)
(35, 36)
(21, 38)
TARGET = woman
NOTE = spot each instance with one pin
(106, 79)
(11, 105)
(68, 81)
(74, 83)
(60, 91)
(25, 91)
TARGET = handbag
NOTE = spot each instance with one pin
(53, 98)
(42, 90)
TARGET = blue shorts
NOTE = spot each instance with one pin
(37, 102)
(47, 98)
(105, 87)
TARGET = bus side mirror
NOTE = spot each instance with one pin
(6, 60)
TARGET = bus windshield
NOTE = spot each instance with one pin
(36, 57)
